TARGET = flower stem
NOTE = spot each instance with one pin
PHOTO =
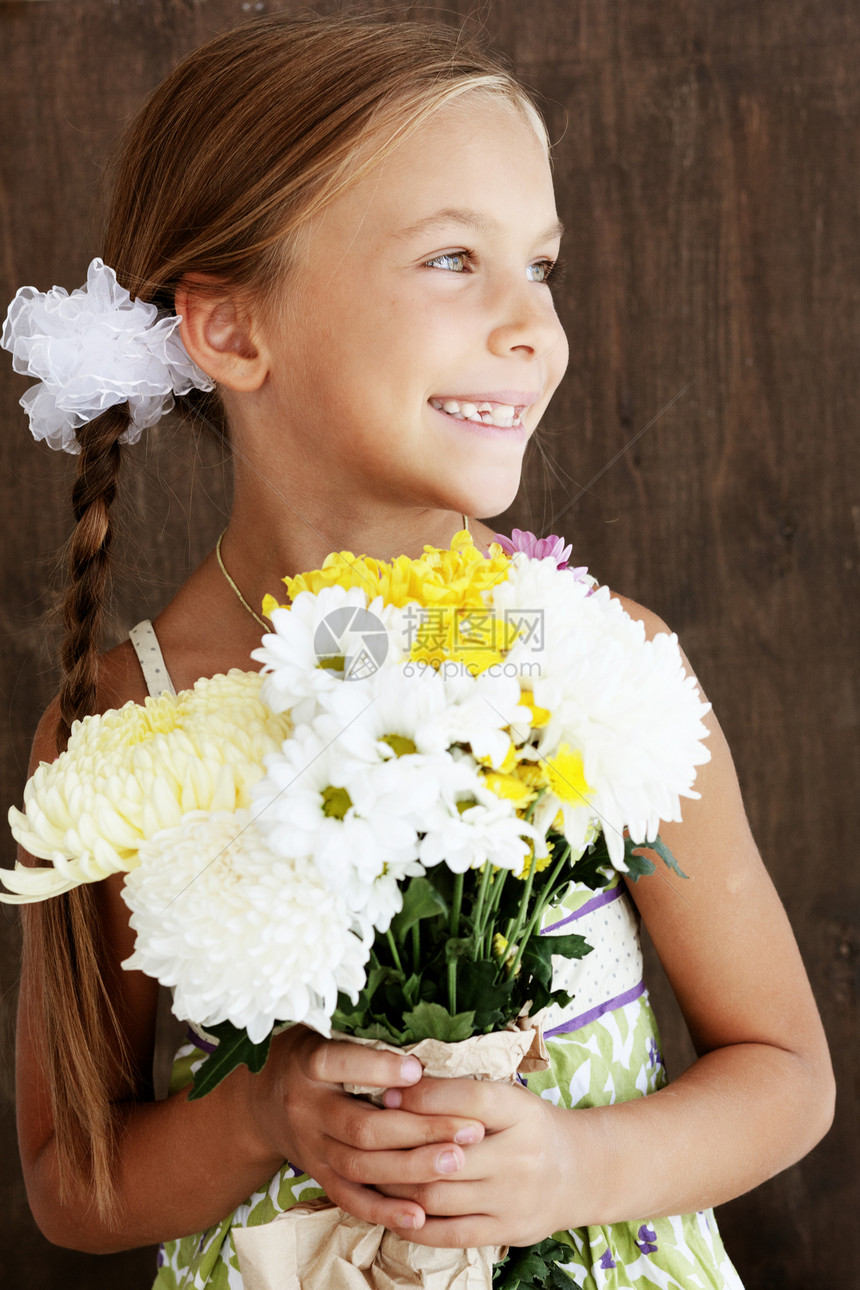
(486, 944)
(495, 901)
(540, 906)
(394, 954)
(478, 921)
(452, 986)
(514, 935)
(456, 904)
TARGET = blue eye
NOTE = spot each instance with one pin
(541, 271)
(453, 261)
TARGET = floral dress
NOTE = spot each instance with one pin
(604, 1048)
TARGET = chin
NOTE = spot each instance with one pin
(490, 498)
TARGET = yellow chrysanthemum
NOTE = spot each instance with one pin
(471, 635)
(567, 776)
(438, 577)
(510, 787)
(533, 773)
(540, 716)
(131, 771)
(505, 952)
(542, 862)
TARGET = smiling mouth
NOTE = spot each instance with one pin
(504, 415)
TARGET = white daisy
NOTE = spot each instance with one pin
(320, 641)
(468, 836)
(355, 822)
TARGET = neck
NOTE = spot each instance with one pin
(256, 559)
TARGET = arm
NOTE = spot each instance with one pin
(758, 1098)
(181, 1167)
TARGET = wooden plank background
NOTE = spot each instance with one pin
(707, 164)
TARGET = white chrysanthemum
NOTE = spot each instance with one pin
(357, 822)
(240, 934)
(624, 703)
(479, 711)
(320, 641)
(403, 715)
(481, 833)
(131, 771)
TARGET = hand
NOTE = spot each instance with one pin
(513, 1188)
(347, 1145)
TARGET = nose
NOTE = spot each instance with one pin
(528, 324)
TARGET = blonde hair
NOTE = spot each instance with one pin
(248, 138)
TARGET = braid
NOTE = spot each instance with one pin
(92, 495)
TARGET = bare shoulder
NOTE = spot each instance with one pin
(652, 622)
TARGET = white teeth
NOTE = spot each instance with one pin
(490, 414)
(504, 416)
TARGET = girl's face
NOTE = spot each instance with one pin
(417, 344)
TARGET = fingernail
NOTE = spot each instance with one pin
(411, 1070)
(391, 1098)
(406, 1220)
(467, 1135)
(448, 1162)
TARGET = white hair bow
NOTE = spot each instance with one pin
(92, 350)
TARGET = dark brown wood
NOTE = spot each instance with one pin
(707, 162)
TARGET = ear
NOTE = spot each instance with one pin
(217, 329)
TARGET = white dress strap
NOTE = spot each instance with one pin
(169, 1033)
(151, 659)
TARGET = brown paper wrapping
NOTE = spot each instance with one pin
(318, 1246)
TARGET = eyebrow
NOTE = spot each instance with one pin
(469, 219)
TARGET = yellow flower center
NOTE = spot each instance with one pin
(539, 865)
(540, 716)
(567, 776)
(400, 745)
(336, 801)
(510, 787)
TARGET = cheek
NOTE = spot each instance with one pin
(560, 355)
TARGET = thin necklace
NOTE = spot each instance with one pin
(240, 597)
(242, 600)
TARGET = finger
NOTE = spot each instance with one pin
(451, 1198)
(423, 1165)
(358, 1124)
(460, 1233)
(495, 1105)
(331, 1062)
(393, 1212)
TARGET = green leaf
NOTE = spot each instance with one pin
(489, 998)
(234, 1049)
(432, 1021)
(458, 947)
(410, 988)
(535, 1267)
(420, 900)
(537, 955)
(593, 868)
(639, 865)
(376, 1030)
(350, 1016)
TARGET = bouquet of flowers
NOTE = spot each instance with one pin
(365, 835)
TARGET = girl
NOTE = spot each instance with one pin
(355, 222)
